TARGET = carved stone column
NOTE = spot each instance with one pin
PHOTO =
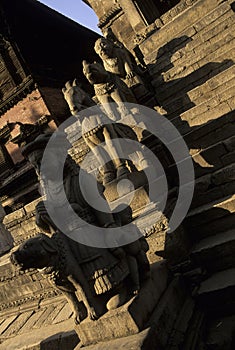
(134, 16)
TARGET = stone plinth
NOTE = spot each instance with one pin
(130, 318)
(157, 331)
(125, 185)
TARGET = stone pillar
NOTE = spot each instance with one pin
(134, 16)
(6, 240)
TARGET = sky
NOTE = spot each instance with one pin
(76, 10)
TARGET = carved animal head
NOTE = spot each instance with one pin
(76, 97)
(95, 73)
(36, 252)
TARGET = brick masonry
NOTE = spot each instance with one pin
(28, 110)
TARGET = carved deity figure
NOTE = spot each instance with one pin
(117, 60)
(73, 266)
(108, 88)
(101, 132)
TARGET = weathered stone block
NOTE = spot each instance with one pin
(176, 26)
(216, 252)
(18, 214)
(212, 16)
(129, 318)
(31, 206)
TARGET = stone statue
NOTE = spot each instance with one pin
(71, 268)
(97, 275)
(79, 100)
(135, 251)
(108, 88)
(76, 97)
(117, 60)
(135, 61)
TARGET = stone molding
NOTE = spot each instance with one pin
(164, 19)
(113, 12)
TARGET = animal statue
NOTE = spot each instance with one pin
(108, 88)
(76, 97)
(87, 276)
(78, 100)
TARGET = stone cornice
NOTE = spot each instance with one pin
(113, 12)
(30, 298)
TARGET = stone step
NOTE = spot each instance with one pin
(214, 169)
(206, 134)
(215, 157)
(130, 318)
(213, 186)
(204, 31)
(213, 48)
(209, 133)
(157, 330)
(217, 293)
(213, 86)
(60, 336)
(200, 15)
(216, 252)
(211, 109)
(38, 327)
(200, 94)
(189, 76)
(210, 159)
(211, 218)
(206, 191)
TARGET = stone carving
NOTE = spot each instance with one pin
(76, 97)
(117, 60)
(135, 252)
(28, 132)
(79, 100)
(113, 12)
(94, 276)
(108, 88)
(82, 273)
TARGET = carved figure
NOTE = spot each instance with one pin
(82, 273)
(108, 88)
(79, 100)
(136, 61)
(117, 60)
(136, 251)
(105, 269)
(76, 97)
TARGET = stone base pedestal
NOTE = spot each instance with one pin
(155, 333)
(128, 188)
(130, 318)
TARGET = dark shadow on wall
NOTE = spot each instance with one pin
(174, 99)
(211, 140)
(172, 93)
(63, 340)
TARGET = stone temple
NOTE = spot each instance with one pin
(169, 288)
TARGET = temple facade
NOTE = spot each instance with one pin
(37, 58)
(185, 49)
